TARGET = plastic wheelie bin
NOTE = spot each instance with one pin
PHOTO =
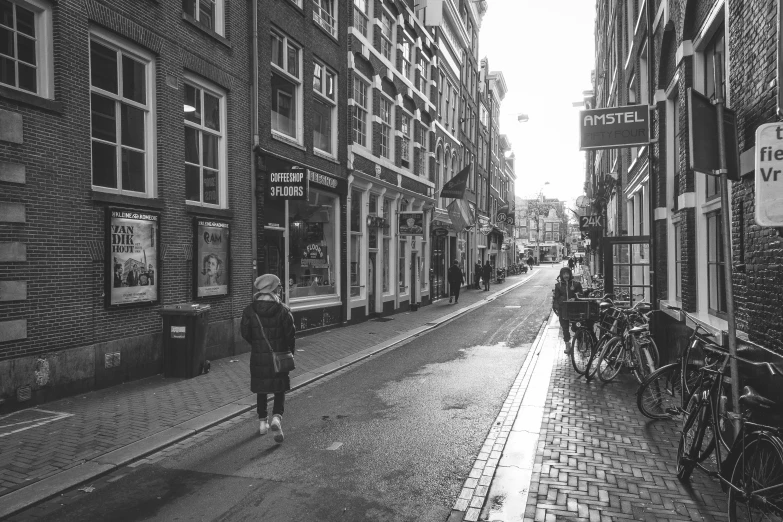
(184, 339)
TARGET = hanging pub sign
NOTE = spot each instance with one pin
(411, 224)
(594, 222)
(289, 185)
(438, 232)
(614, 127)
(703, 136)
(132, 271)
(211, 260)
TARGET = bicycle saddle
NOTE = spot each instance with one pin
(604, 305)
(639, 329)
(754, 399)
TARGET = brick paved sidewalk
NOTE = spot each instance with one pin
(598, 458)
(60, 435)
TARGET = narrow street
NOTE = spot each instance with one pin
(391, 438)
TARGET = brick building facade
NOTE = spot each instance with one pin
(657, 182)
(91, 112)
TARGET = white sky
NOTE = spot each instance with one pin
(545, 50)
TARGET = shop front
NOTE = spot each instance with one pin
(301, 242)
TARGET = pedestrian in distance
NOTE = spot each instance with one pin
(565, 288)
(456, 280)
(530, 262)
(267, 324)
(486, 274)
(477, 275)
(571, 263)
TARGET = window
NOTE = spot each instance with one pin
(439, 175)
(632, 101)
(716, 266)
(285, 83)
(25, 40)
(205, 148)
(454, 110)
(360, 16)
(325, 15)
(423, 77)
(359, 113)
(386, 122)
(121, 116)
(386, 276)
(208, 13)
(446, 111)
(678, 261)
(356, 243)
(483, 115)
(677, 138)
(387, 24)
(406, 59)
(405, 143)
(714, 50)
(312, 264)
(325, 108)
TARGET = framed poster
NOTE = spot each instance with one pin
(211, 258)
(411, 224)
(132, 268)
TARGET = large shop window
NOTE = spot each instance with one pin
(205, 148)
(356, 243)
(25, 37)
(122, 118)
(285, 85)
(313, 246)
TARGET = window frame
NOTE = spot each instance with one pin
(716, 283)
(387, 41)
(44, 66)
(355, 107)
(219, 17)
(296, 81)
(320, 97)
(321, 16)
(406, 122)
(387, 128)
(361, 18)
(122, 46)
(222, 96)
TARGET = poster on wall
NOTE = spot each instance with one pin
(211, 259)
(411, 224)
(131, 260)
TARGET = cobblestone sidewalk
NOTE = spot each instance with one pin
(40, 442)
(599, 459)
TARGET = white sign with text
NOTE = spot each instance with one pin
(769, 175)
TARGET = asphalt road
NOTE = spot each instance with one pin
(388, 439)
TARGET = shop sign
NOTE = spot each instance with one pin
(769, 175)
(440, 232)
(614, 127)
(290, 185)
(594, 222)
(132, 271)
(178, 332)
(314, 256)
(322, 179)
(703, 136)
(411, 224)
(211, 263)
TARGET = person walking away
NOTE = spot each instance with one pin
(486, 274)
(530, 262)
(477, 275)
(267, 324)
(571, 263)
(565, 288)
(456, 278)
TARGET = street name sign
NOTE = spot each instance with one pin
(614, 127)
(769, 175)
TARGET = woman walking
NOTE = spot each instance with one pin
(267, 324)
(565, 288)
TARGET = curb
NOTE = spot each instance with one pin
(47, 488)
(478, 486)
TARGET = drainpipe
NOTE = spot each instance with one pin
(651, 187)
(254, 127)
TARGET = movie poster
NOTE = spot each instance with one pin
(211, 258)
(132, 268)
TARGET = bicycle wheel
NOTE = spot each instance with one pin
(696, 439)
(760, 466)
(661, 395)
(582, 351)
(646, 357)
(611, 360)
(592, 366)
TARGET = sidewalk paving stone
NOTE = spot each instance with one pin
(100, 424)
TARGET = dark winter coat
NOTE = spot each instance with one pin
(486, 272)
(563, 292)
(455, 276)
(280, 331)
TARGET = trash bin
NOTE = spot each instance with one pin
(184, 339)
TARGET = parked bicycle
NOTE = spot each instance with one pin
(587, 339)
(631, 345)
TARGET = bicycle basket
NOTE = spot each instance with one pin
(607, 321)
(581, 310)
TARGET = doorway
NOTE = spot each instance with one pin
(627, 269)
(273, 248)
(414, 285)
(438, 261)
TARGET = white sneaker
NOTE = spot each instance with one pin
(263, 426)
(275, 426)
